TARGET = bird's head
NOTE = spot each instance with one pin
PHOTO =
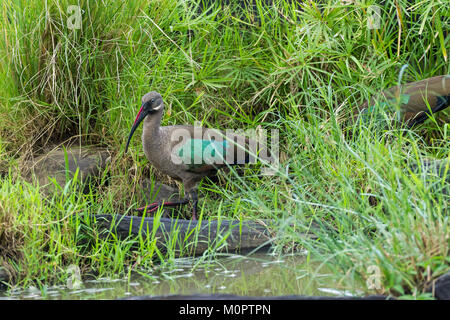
(152, 103)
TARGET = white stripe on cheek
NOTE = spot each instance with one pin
(158, 107)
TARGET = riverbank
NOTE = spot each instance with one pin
(382, 218)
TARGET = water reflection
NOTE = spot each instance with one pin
(255, 275)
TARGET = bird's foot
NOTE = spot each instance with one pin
(152, 207)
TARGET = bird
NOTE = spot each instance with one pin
(413, 99)
(189, 153)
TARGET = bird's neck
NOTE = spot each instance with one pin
(152, 125)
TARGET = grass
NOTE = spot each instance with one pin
(301, 71)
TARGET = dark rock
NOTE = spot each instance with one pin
(89, 161)
(440, 288)
(157, 192)
(432, 168)
(4, 275)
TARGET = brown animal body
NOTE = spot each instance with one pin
(414, 99)
(189, 153)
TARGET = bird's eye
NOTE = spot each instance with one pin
(153, 100)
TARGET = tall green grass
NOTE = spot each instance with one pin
(299, 69)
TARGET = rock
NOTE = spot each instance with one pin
(90, 161)
(4, 275)
(432, 168)
(157, 192)
(440, 288)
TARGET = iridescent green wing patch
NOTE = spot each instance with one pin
(388, 104)
(198, 152)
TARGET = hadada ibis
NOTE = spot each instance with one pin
(413, 99)
(189, 153)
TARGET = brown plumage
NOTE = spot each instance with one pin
(414, 99)
(187, 153)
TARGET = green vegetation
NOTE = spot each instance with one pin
(302, 72)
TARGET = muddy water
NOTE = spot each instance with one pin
(255, 275)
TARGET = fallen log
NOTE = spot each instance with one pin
(189, 237)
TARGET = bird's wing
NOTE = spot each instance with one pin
(209, 149)
(414, 98)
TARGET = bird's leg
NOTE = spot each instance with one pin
(155, 205)
(194, 198)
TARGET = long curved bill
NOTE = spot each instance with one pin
(140, 116)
